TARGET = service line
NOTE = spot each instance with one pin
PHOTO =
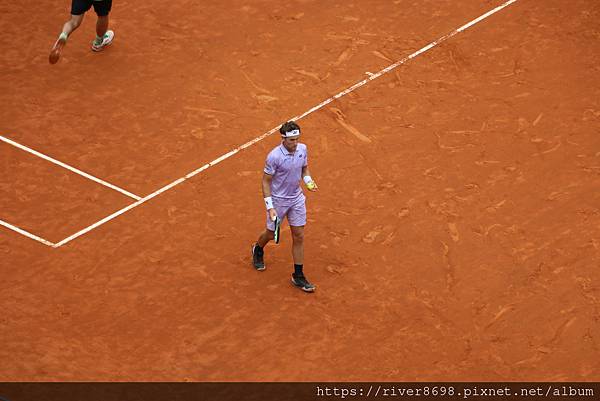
(298, 117)
(70, 168)
(26, 233)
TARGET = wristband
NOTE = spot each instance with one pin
(269, 203)
(307, 179)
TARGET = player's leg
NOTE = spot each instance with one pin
(72, 24)
(258, 253)
(298, 277)
(265, 237)
(102, 25)
(104, 36)
(298, 246)
(78, 10)
(297, 219)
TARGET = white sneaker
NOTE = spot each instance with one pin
(106, 41)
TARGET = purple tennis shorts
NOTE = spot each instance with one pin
(294, 211)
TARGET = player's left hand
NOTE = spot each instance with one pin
(312, 186)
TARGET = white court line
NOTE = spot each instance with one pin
(73, 169)
(25, 233)
(266, 134)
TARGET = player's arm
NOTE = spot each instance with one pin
(266, 185)
(311, 185)
(266, 190)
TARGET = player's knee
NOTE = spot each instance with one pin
(298, 236)
(76, 21)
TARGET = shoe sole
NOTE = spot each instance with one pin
(253, 265)
(56, 50)
(111, 36)
(305, 289)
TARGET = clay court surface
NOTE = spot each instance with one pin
(455, 235)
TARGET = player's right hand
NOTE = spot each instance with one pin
(273, 214)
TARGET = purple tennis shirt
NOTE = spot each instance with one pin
(286, 169)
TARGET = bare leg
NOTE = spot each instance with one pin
(298, 278)
(101, 26)
(72, 24)
(298, 244)
(68, 27)
(264, 238)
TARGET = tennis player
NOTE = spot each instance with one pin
(285, 167)
(104, 36)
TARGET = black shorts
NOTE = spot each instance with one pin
(102, 7)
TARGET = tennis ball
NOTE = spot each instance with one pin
(311, 185)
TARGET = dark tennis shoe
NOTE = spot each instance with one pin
(257, 258)
(302, 283)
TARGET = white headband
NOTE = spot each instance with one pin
(291, 134)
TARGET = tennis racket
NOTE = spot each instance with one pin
(277, 229)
